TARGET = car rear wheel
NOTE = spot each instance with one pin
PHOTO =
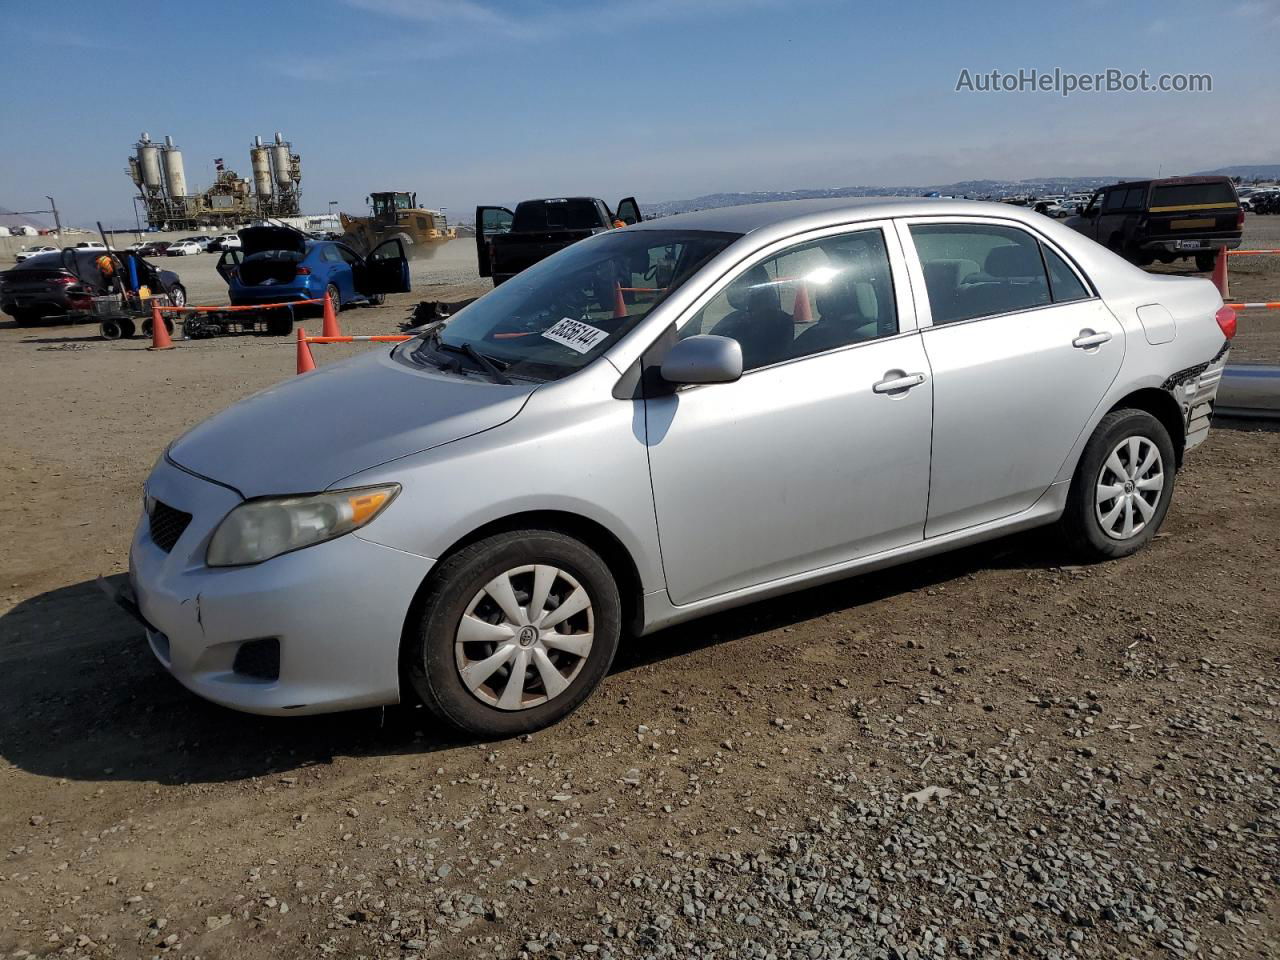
(178, 295)
(515, 632)
(1122, 487)
(1205, 261)
(331, 291)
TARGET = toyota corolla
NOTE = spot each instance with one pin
(660, 422)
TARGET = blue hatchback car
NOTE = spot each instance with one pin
(278, 264)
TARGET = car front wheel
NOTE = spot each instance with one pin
(178, 295)
(1122, 486)
(515, 632)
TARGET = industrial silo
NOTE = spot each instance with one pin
(175, 177)
(281, 161)
(149, 164)
(260, 161)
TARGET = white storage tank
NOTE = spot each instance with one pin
(174, 174)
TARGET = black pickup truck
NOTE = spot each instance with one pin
(508, 242)
(1165, 220)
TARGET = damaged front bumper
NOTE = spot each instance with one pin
(332, 615)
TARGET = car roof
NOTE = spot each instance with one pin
(828, 211)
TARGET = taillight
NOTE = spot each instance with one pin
(1226, 318)
(1240, 218)
(302, 272)
(64, 280)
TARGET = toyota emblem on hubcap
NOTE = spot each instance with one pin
(528, 635)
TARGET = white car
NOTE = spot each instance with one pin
(229, 241)
(183, 248)
(26, 253)
(90, 245)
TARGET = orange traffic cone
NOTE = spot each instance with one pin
(801, 312)
(1220, 273)
(619, 304)
(306, 362)
(330, 328)
(159, 332)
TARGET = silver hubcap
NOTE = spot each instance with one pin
(524, 637)
(1129, 488)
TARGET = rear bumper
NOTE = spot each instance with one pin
(1203, 244)
(1196, 391)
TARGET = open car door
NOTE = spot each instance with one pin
(628, 211)
(490, 221)
(229, 263)
(386, 269)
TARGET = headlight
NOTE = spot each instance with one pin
(261, 529)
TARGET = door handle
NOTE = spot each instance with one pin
(897, 382)
(1089, 339)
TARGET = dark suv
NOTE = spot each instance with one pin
(1165, 220)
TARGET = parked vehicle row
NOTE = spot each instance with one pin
(481, 515)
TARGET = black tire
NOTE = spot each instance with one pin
(178, 295)
(1204, 261)
(430, 656)
(279, 323)
(146, 327)
(111, 329)
(377, 299)
(27, 318)
(1080, 524)
(127, 329)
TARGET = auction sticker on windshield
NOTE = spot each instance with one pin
(575, 335)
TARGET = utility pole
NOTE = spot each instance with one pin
(57, 221)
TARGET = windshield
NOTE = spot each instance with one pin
(562, 313)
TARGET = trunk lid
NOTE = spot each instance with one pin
(263, 239)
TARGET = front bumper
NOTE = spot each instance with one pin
(337, 610)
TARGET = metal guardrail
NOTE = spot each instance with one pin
(1249, 390)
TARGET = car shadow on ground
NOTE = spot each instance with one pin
(85, 699)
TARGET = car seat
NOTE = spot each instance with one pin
(757, 320)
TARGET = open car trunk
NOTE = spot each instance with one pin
(269, 266)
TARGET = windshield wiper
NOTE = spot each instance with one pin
(487, 364)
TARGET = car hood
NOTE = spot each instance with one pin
(307, 433)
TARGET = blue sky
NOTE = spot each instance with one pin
(474, 101)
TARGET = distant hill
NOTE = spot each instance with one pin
(973, 189)
(1247, 171)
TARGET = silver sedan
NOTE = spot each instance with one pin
(660, 422)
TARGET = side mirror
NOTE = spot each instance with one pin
(703, 359)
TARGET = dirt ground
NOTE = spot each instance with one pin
(738, 787)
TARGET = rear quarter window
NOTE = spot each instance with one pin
(1182, 194)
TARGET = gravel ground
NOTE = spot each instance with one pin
(985, 754)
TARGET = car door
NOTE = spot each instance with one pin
(820, 452)
(385, 269)
(229, 264)
(1022, 352)
(490, 222)
(629, 211)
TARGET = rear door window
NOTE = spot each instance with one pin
(1134, 198)
(979, 270)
